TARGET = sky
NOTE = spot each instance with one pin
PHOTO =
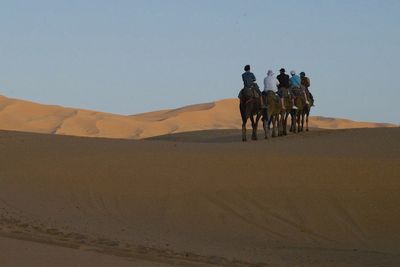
(128, 57)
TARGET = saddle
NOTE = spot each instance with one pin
(250, 92)
(275, 98)
(296, 92)
(283, 92)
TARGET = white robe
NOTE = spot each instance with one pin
(271, 83)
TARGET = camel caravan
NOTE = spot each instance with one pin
(283, 96)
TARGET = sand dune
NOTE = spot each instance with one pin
(31, 117)
(324, 198)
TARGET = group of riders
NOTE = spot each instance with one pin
(295, 85)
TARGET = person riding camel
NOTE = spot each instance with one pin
(295, 83)
(270, 82)
(283, 79)
(305, 83)
(249, 81)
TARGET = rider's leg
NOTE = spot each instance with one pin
(280, 94)
(304, 91)
(292, 100)
(262, 102)
(283, 103)
(292, 93)
(305, 95)
(258, 92)
(311, 96)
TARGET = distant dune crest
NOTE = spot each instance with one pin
(27, 116)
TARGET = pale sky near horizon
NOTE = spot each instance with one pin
(129, 57)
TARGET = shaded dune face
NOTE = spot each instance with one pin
(224, 114)
(324, 198)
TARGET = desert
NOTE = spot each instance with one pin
(199, 133)
(203, 198)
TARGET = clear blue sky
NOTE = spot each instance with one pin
(134, 56)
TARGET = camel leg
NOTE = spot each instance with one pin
(301, 121)
(298, 122)
(269, 119)
(244, 134)
(307, 121)
(271, 122)
(244, 138)
(274, 126)
(265, 129)
(255, 137)
(243, 114)
(256, 128)
(285, 123)
(264, 119)
(256, 125)
(278, 119)
(253, 126)
(293, 125)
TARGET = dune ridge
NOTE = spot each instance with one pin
(20, 115)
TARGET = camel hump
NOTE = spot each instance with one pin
(249, 92)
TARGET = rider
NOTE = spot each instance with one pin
(248, 77)
(283, 79)
(294, 80)
(249, 81)
(305, 83)
(295, 83)
(270, 82)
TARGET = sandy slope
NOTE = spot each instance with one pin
(22, 253)
(323, 198)
(31, 117)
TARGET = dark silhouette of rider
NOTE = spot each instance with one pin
(249, 81)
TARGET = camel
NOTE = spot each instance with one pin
(250, 108)
(288, 109)
(298, 114)
(307, 110)
(274, 112)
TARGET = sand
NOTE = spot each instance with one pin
(322, 198)
(22, 253)
(27, 116)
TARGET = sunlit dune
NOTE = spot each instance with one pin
(27, 116)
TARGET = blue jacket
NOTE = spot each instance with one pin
(295, 81)
(248, 79)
